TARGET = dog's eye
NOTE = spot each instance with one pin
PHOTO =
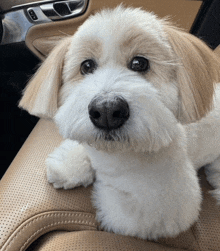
(140, 64)
(88, 66)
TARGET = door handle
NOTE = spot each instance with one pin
(17, 21)
(64, 9)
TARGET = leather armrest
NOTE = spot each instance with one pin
(29, 205)
(94, 241)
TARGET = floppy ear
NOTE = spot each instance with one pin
(197, 73)
(40, 95)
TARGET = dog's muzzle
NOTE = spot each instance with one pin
(108, 114)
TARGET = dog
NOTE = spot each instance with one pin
(137, 102)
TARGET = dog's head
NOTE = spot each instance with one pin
(124, 80)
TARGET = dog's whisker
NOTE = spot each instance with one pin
(168, 62)
(64, 33)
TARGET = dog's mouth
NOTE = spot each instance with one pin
(111, 136)
(110, 141)
(108, 137)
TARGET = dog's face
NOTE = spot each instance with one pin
(121, 83)
(120, 88)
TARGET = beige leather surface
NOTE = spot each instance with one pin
(182, 12)
(94, 241)
(217, 50)
(203, 236)
(31, 208)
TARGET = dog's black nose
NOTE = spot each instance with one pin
(108, 115)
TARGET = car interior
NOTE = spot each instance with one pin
(33, 215)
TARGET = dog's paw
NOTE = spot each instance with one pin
(69, 166)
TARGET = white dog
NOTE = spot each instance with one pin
(125, 92)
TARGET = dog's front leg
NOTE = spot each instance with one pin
(68, 166)
(213, 176)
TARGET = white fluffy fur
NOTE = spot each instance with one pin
(69, 154)
(145, 180)
(151, 126)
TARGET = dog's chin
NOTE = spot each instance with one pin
(110, 145)
(120, 141)
(132, 136)
(112, 136)
(109, 141)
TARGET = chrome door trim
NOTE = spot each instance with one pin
(17, 22)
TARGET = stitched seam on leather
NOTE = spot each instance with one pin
(43, 228)
(30, 222)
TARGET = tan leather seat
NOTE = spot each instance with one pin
(33, 213)
(35, 216)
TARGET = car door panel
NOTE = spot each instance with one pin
(42, 37)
